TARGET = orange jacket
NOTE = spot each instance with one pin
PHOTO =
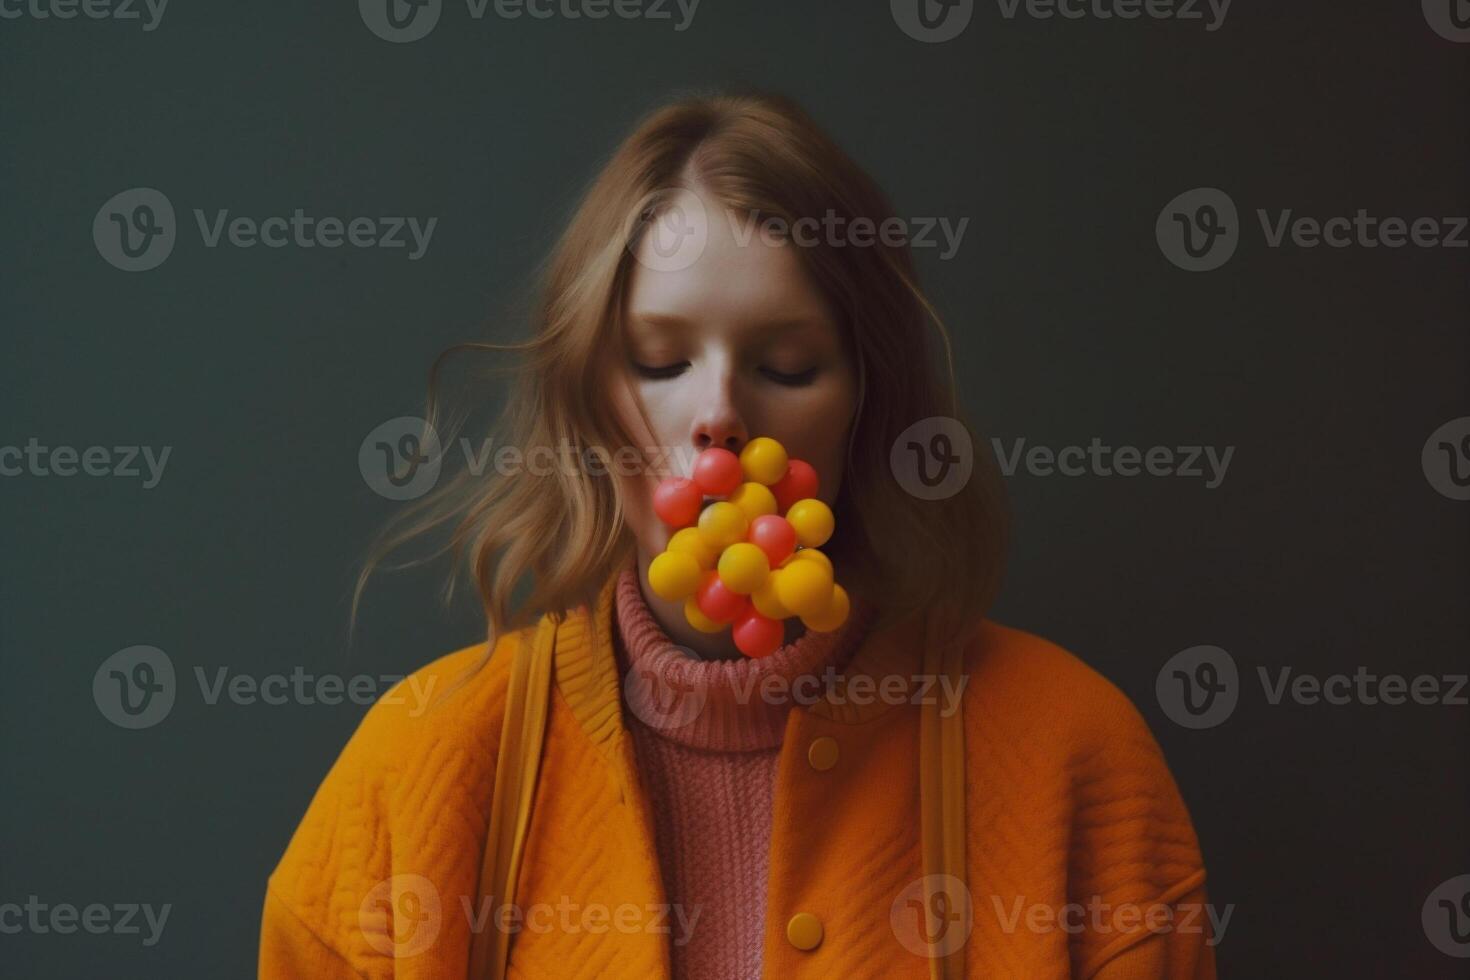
(1080, 855)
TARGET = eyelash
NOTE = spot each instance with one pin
(674, 370)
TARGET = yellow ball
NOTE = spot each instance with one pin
(754, 499)
(805, 587)
(763, 460)
(808, 554)
(698, 619)
(744, 567)
(688, 541)
(722, 524)
(813, 521)
(765, 599)
(673, 575)
(834, 615)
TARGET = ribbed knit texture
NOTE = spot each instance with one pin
(708, 763)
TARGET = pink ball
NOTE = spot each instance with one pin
(799, 483)
(716, 601)
(756, 635)
(676, 501)
(717, 471)
(774, 535)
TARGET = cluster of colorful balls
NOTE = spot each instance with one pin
(749, 561)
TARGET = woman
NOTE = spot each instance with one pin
(607, 790)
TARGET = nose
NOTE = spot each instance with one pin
(721, 428)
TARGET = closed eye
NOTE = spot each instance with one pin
(660, 371)
(795, 380)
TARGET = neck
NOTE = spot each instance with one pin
(705, 646)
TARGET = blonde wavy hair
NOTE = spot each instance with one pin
(558, 536)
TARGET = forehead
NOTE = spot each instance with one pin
(729, 273)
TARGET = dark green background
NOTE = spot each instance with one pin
(264, 369)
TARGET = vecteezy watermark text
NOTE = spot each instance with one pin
(1097, 459)
(97, 918)
(148, 12)
(1200, 687)
(1200, 229)
(1098, 917)
(837, 231)
(402, 916)
(135, 230)
(402, 458)
(404, 21)
(136, 688)
(666, 703)
(37, 460)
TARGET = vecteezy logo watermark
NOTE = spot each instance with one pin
(668, 230)
(663, 703)
(37, 460)
(401, 916)
(1198, 687)
(150, 12)
(135, 230)
(136, 688)
(1101, 918)
(670, 700)
(1446, 917)
(1212, 12)
(402, 21)
(1198, 230)
(1450, 19)
(932, 21)
(1446, 459)
(40, 918)
(838, 231)
(1097, 459)
(933, 916)
(401, 458)
(569, 917)
(933, 458)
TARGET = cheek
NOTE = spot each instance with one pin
(648, 530)
(636, 488)
(821, 438)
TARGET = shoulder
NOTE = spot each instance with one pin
(427, 745)
(1043, 725)
(1042, 687)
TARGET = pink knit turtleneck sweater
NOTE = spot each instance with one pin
(707, 744)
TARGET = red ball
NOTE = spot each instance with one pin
(757, 635)
(676, 501)
(716, 601)
(799, 483)
(774, 535)
(717, 471)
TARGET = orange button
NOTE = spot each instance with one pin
(804, 930)
(822, 753)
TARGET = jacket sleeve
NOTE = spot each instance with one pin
(310, 923)
(1136, 866)
(326, 915)
(1185, 952)
(290, 949)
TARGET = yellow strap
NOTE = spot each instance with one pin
(942, 792)
(517, 762)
